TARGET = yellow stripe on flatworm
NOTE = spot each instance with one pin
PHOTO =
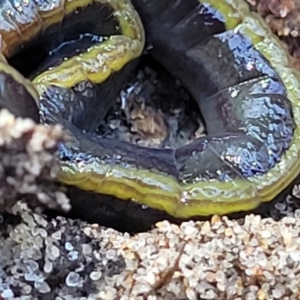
(158, 191)
(214, 197)
(100, 61)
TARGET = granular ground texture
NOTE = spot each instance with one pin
(27, 164)
(221, 259)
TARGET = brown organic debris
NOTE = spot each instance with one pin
(282, 15)
(69, 259)
(27, 163)
(147, 122)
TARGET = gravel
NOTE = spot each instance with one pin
(221, 259)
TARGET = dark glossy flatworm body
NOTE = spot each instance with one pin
(226, 57)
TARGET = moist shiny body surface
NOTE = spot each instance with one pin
(233, 66)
